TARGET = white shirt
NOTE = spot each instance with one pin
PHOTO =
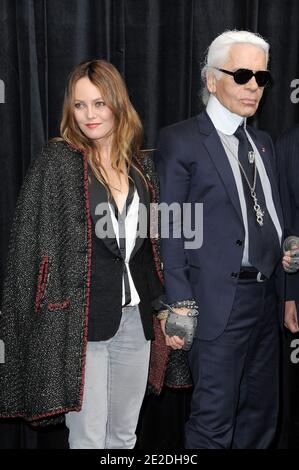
(131, 221)
(226, 124)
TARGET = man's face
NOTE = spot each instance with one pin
(239, 99)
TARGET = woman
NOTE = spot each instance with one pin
(81, 283)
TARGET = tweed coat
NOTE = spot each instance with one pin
(44, 313)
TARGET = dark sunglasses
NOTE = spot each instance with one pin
(242, 76)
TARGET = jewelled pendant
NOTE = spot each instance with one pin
(251, 156)
(259, 215)
(257, 209)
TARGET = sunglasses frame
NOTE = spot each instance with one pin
(253, 74)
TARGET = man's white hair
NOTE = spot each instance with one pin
(219, 49)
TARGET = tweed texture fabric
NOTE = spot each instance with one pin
(45, 299)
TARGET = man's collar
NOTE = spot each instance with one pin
(224, 120)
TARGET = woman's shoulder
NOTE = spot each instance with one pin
(56, 153)
(59, 147)
(55, 157)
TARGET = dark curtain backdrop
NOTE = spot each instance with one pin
(158, 46)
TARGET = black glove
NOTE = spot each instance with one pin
(182, 325)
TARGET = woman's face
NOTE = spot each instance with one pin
(93, 116)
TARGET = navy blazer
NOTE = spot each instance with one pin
(287, 149)
(193, 167)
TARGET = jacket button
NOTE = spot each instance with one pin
(234, 274)
(117, 260)
(239, 242)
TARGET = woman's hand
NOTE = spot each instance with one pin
(175, 342)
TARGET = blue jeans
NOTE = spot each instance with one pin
(115, 382)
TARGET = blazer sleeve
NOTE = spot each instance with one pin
(287, 150)
(175, 179)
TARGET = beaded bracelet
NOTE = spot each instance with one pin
(191, 303)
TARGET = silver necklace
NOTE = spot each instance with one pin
(259, 213)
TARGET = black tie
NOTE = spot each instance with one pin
(264, 249)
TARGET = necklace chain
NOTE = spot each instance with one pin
(257, 208)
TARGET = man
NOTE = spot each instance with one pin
(288, 163)
(216, 159)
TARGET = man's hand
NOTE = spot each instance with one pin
(290, 316)
(286, 260)
(290, 261)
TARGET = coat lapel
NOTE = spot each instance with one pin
(267, 156)
(218, 156)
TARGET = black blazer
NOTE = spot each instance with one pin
(108, 267)
(287, 149)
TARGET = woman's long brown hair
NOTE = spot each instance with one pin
(128, 132)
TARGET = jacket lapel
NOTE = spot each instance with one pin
(144, 199)
(218, 156)
(98, 195)
(267, 156)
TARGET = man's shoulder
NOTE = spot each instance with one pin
(181, 128)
